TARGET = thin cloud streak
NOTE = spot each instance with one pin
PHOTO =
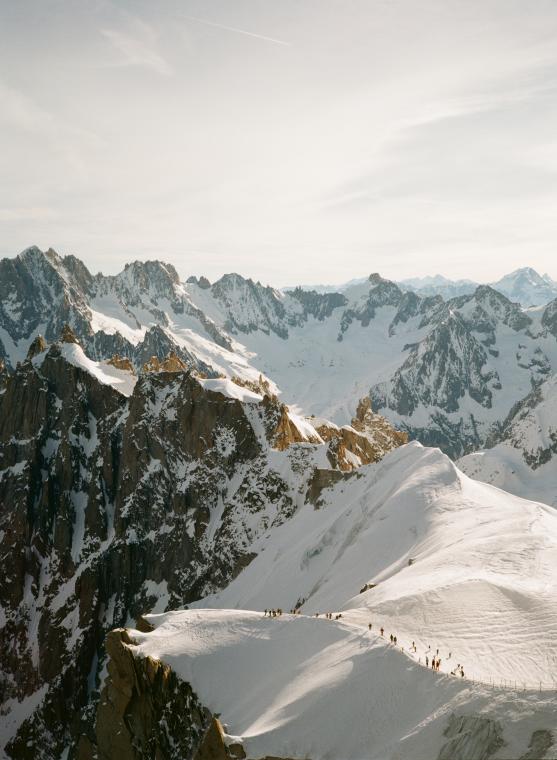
(238, 31)
(135, 52)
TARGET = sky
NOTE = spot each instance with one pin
(293, 141)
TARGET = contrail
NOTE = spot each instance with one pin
(239, 31)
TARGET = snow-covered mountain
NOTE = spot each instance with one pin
(132, 486)
(527, 287)
(124, 493)
(523, 457)
(437, 285)
(452, 567)
(524, 286)
(448, 372)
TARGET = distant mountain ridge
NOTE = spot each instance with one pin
(523, 285)
(447, 371)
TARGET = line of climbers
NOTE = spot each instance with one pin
(435, 660)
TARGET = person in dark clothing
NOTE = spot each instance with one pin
(394, 640)
(382, 631)
(369, 626)
(391, 638)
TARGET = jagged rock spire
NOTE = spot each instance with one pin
(68, 335)
(37, 347)
(172, 363)
(121, 362)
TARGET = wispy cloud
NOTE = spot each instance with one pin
(138, 49)
(238, 31)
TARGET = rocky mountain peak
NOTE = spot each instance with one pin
(201, 282)
(172, 363)
(77, 274)
(384, 291)
(31, 255)
(145, 275)
(37, 347)
(364, 411)
(121, 362)
(68, 336)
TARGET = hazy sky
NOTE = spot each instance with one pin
(288, 140)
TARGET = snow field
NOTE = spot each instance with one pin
(296, 686)
(457, 565)
(454, 565)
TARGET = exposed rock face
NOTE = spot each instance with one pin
(531, 426)
(213, 746)
(4, 374)
(121, 362)
(319, 305)
(549, 317)
(68, 335)
(540, 743)
(382, 293)
(367, 440)
(261, 386)
(46, 291)
(471, 737)
(144, 710)
(111, 506)
(450, 384)
(172, 363)
(455, 361)
(282, 430)
(250, 306)
(37, 347)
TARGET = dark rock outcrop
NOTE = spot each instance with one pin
(144, 710)
(471, 737)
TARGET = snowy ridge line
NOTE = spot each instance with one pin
(322, 689)
(495, 683)
(377, 552)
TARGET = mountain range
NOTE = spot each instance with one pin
(177, 458)
(523, 285)
(448, 372)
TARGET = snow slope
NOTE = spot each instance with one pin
(445, 553)
(122, 380)
(410, 544)
(305, 687)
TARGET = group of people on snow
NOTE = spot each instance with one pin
(435, 660)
